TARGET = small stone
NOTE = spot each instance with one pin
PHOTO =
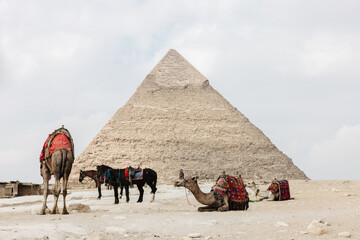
(208, 238)
(194, 235)
(303, 232)
(282, 224)
(316, 227)
(344, 234)
(81, 208)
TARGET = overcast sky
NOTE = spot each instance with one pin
(291, 67)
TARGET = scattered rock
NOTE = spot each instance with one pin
(282, 224)
(316, 227)
(120, 217)
(325, 222)
(81, 208)
(304, 232)
(194, 235)
(344, 234)
(208, 237)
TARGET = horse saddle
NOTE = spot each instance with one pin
(131, 171)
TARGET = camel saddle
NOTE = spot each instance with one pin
(59, 139)
(282, 187)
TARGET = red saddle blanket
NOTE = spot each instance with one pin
(233, 187)
(283, 187)
(60, 141)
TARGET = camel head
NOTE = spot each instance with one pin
(189, 183)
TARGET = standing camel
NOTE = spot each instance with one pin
(210, 199)
(57, 163)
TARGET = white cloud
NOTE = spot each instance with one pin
(338, 156)
(20, 152)
(326, 54)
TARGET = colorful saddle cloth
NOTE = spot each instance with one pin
(139, 174)
(233, 187)
(60, 141)
(281, 187)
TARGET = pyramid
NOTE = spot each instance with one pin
(175, 120)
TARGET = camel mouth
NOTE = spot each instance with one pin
(179, 183)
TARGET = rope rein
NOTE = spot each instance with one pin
(187, 195)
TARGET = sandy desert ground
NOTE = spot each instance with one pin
(336, 202)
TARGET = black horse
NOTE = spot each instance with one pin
(117, 177)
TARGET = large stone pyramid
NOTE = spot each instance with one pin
(177, 120)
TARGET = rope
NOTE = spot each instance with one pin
(187, 197)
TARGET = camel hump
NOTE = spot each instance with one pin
(59, 139)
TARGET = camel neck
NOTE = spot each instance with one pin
(201, 197)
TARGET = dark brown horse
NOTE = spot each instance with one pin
(91, 174)
(116, 177)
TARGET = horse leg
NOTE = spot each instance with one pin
(57, 190)
(99, 190)
(127, 192)
(121, 190)
(116, 194)
(141, 190)
(46, 177)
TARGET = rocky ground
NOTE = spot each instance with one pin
(334, 205)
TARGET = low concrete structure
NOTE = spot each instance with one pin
(16, 188)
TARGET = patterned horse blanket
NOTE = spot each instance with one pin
(283, 187)
(231, 186)
(139, 174)
(60, 141)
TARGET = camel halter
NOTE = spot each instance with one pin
(187, 195)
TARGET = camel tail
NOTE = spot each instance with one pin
(64, 159)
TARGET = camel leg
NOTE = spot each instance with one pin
(65, 182)
(57, 190)
(46, 177)
(141, 190)
(207, 209)
(225, 206)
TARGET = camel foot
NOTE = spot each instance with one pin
(223, 209)
(120, 197)
(42, 212)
